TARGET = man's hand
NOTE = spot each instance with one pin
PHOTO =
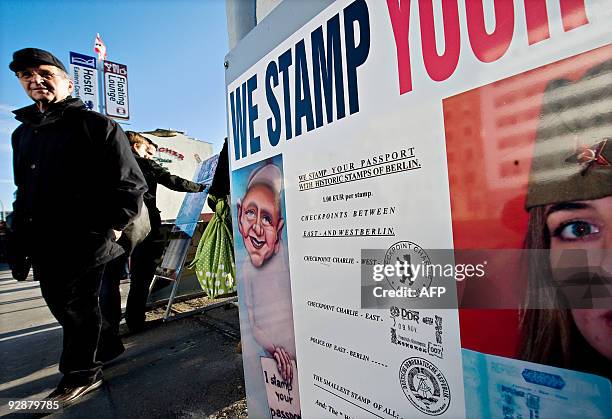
(117, 234)
(283, 363)
(203, 186)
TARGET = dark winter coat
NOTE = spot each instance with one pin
(154, 173)
(77, 180)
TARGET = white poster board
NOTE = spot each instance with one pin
(337, 144)
(180, 154)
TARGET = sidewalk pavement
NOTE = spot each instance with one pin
(185, 368)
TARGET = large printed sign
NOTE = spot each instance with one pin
(116, 90)
(187, 220)
(376, 135)
(85, 77)
(181, 155)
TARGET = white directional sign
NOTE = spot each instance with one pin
(116, 90)
(85, 76)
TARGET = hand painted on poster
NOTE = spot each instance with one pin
(283, 362)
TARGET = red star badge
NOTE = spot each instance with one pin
(590, 156)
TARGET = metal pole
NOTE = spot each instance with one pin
(102, 100)
(241, 18)
(177, 281)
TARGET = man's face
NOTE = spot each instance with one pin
(260, 224)
(150, 151)
(45, 84)
(140, 149)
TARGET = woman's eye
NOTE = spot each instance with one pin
(576, 230)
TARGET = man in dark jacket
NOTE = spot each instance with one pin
(78, 187)
(146, 254)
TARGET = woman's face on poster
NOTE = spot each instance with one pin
(581, 225)
(581, 234)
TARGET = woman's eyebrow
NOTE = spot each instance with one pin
(567, 206)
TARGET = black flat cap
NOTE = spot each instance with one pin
(31, 57)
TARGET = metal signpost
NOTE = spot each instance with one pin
(108, 96)
(85, 76)
(116, 90)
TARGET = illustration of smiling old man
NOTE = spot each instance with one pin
(260, 223)
(266, 278)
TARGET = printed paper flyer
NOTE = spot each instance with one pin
(350, 145)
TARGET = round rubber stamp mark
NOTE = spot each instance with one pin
(418, 276)
(424, 386)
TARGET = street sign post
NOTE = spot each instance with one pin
(85, 77)
(116, 90)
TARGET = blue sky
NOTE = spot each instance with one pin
(174, 50)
